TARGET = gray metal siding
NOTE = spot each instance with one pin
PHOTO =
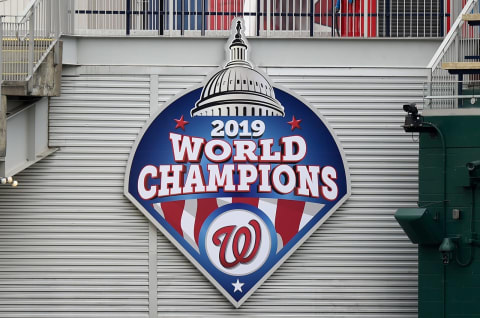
(72, 246)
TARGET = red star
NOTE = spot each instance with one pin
(295, 123)
(180, 123)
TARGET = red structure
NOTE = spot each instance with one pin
(350, 20)
(222, 12)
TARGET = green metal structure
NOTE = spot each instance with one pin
(447, 222)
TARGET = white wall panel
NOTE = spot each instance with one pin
(72, 246)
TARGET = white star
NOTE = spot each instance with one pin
(238, 286)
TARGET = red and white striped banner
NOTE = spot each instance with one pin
(188, 216)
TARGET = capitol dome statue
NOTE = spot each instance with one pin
(238, 89)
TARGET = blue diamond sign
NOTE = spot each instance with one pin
(237, 173)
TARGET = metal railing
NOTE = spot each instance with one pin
(444, 94)
(461, 44)
(310, 18)
(27, 40)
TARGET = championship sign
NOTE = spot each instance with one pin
(237, 173)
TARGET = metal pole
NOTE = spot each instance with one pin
(145, 15)
(455, 58)
(31, 42)
(203, 17)
(269, 17)
(182, 17)
(365, 18)
(127, 16)
(387, 18)
(161, 15)
(334, 18)
(441, 17)
(258, 18)
(429, 90)
(311, 17)
(72, 17)
(170, 16)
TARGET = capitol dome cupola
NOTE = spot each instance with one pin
(238, 49)
(238, 89)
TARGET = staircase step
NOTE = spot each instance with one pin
(472, 19)
(23, 74)
(24, 51)
(9, 40)
(462, 67)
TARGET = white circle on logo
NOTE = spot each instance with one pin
(238, 242)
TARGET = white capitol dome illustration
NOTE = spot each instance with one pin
(238, 89)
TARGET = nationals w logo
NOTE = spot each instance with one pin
(239, 254)
(234, 242)
(237, 172)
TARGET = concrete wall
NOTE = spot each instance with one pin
(265, 52)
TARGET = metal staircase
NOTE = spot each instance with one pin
(455, 68)
(30, 69)
(26, 43)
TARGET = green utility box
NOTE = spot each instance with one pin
(419, 225)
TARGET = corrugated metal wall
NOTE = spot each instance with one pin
(72, 246)
(13, 7)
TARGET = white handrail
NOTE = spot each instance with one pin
(28, 7)
(36, 33)
(29, 12)
(447, 42)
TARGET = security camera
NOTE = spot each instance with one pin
(410, 108)
(473, 165)
(413, 121)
